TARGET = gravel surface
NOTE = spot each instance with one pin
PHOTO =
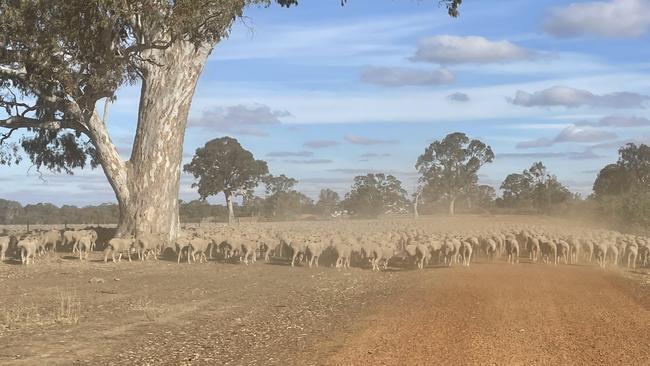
(62, 312)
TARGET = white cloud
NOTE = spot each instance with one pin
(239, 119)
(448, 49)
(615, 18)
(408, 105)
(399, 76)
(576, 134)
(570, 134)
(572, 98)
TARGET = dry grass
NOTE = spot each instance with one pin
(14, 317)
(66, 311)
(148, 308)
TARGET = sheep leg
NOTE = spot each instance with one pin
(293, 260)
(267, 254)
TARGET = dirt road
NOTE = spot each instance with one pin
(216, 314)
(502, 315)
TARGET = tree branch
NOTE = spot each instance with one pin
(6, 136)
(15, 72)
(15, 122)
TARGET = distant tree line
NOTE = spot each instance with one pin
(448, 182)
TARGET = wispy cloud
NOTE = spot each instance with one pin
(449, 49)
(239, 119)
(309, 161)
(570, 134)
(339, 42)
(284, 154)
(374, 155)
(360, 140)
(617, 122)
(572, 155)
(321, 144)
(614, 18)
(645, 139)
(573, 98)
(531, 155)
(458, 97)
(399, 76)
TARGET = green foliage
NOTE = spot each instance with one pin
(631, 172)
(622, 190)
(516, 190)
(59, 150)
(13, 213)
(328, 202)
(287, 205)
(375, 194)
(482, 196)
(449, 167)
(59, 57)
(282, 201)
(534, 188)
(223, 165)
(275, 185)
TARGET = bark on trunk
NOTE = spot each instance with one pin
(147, 185)
(452, 206)
(231, 210)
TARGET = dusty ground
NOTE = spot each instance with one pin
(62, 312)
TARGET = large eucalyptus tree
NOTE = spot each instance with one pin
(449, 167)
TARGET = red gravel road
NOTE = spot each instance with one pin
(506, 315)
(216, 314)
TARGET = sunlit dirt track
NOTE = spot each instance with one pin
(520, 315)
(217, 314)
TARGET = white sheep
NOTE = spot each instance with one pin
(118, 245)
(27, 248)
(4, 246)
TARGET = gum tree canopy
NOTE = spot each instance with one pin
(59, 58)
(223, 165)
(449, 167)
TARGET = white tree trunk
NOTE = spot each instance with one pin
(231, 210)
(147, 185)
(416, 214)
(452, 206)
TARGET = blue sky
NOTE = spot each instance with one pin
(324, 92)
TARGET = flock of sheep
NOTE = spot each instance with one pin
(377, 244)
